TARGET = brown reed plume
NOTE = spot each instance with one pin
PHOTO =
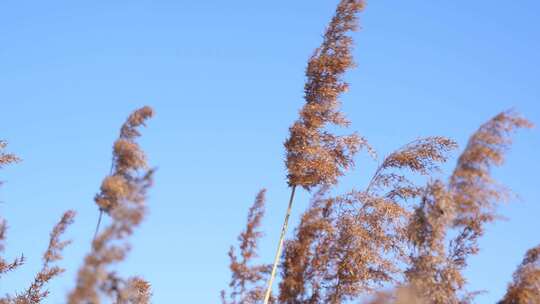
(35, 293)
(474, 191)
(122, 196)
(5, 266)
(315, 156)
(525, 287)
(247, 281)
(351, 244)
(465, 205)
(127, 157)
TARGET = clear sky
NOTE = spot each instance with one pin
(226, 81)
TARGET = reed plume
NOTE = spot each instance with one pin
(525, 287)
(475, 193)
(5, 266)
(127, 159)
(314, 156)
(247, 280)
(35, 293)
(464, 205)
(122, 196)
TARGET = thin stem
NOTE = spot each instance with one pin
(280, 248)
(98, 223)
(100, 209)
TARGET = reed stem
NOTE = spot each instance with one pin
(98, 223)
(280, 247)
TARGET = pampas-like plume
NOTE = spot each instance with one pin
(475, 191)
(122, 196)
(128, 159)
(5, 266)
(466, 204)
(526, 285)
(315, 156)
(35, 293)
(246, 278)
(475, 194)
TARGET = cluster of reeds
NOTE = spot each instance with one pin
(36, 291)
(400, 230)
(122, 197)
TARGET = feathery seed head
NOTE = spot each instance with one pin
(314, 156)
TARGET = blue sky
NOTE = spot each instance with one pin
(226, 80)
